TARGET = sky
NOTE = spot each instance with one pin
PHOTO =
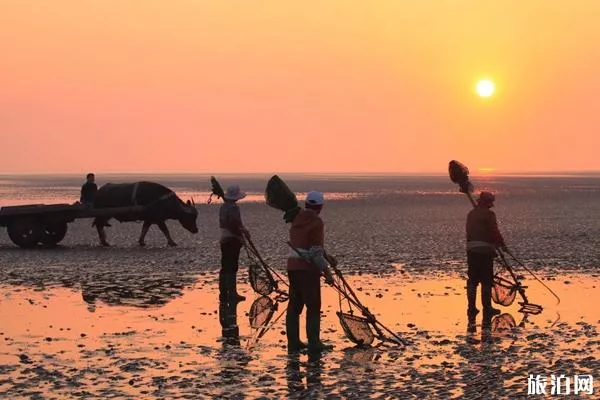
(285, 86)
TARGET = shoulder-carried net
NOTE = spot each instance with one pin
(278, 195)
(216, 189)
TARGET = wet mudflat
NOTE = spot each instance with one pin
(158, 335)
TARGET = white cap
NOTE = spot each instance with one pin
(315, 198)
(234, 193)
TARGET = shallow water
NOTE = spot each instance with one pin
(158, 335)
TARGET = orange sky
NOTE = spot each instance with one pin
(312, 86)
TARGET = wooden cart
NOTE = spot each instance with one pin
(46, 224)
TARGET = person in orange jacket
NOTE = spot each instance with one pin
(306, 263)
(483, 238)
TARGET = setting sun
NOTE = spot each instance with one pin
(485, 88)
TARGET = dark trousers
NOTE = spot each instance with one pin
(305, 290)
(230, 255)
(481, 268)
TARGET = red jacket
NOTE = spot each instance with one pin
(307, 230)
(482, 230)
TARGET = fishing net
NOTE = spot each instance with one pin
(216, 189)
(260, 281)
(459, 174)
(278, 195)
(261, 312)
(504, 291)
(356, 328)
(503, 322)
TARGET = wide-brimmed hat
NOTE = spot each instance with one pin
(234, 193)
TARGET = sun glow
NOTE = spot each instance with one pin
(485, 88)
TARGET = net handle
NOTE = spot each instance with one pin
(507, 266)
(270, 271)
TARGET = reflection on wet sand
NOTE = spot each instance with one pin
(482, 372)
(296, 370)
(231, 358)
(51, 344)
(133, 290)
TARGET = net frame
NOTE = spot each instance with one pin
(504, 292)
(259, 280)
(260, 274)
(353, 334)
(526, 306)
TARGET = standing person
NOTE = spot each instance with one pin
(306, 263)
(232, 231)
(483, 237)
(88, 191)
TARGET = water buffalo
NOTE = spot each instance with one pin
(155, 204)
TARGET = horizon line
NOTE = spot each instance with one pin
(304, 173)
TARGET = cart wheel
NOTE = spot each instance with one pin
(52, 234)
(24, 232)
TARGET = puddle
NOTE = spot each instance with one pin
(154, 336)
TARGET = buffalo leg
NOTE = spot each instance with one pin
(145, 229)
(163, 227)
(102, 234)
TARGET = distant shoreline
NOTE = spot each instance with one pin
(292, 175)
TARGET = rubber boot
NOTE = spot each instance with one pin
(233, 294)
(228, 319)
(223, 287)
(486, 302)
(313, 331)
(472, 311)
(292, 329)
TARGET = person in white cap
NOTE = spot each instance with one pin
(306, 263)
(232, 230)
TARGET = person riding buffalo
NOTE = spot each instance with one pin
(88, 191)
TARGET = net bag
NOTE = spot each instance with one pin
(504, 291)
(356, 328)
(459, 174)
(216, 189)
(278, 195)
(260, 280)
(261, 312)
